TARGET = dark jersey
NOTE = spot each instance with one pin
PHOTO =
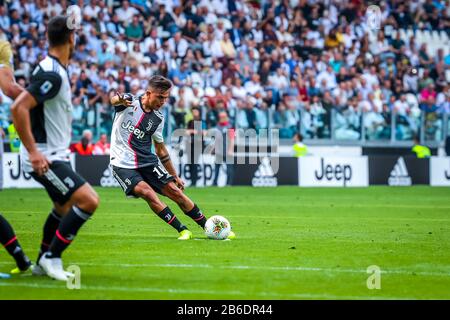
(51, 119)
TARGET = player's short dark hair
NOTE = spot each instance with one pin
(160, 83)
(58, 31)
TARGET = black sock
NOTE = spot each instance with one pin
(50, 227)
(67, 230)
(196, 215)
(9, 240)
(168, 216)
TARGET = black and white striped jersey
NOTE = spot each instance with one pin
(51, 119)
(132, 134)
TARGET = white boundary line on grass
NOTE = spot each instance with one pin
(207, 292)
(243, 267)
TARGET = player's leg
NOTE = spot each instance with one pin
(162, 182)
(135, 185)
(144, 191)
(9, 241)
(49, 230)
(73, 197)
(79, 208)
(174, 193)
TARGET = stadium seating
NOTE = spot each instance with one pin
(271, 41)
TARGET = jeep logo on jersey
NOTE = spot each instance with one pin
(136, 131)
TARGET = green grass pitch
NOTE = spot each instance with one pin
(293, 243)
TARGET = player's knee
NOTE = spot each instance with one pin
(90, 202)
(95, 201)
(146, 193)
(141, 192)
(153, 201)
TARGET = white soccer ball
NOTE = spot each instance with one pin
(217, 228)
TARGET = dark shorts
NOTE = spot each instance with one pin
(60, 181)
(156, 176)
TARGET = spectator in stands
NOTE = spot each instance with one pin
(227, 46)
(102, 146)
(104, 55)
(134, 31)
(347, 122)
(126, 12)
(180, 76)
(178, 45)
(85, 146)
(321, 45)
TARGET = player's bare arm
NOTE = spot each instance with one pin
(8, 84)
(164, 157)
(21, 117)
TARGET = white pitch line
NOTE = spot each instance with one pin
(243, 267)
(207, 292)
(300, 217)
(281, 268)
(114, 215)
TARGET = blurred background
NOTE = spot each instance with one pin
(333, 71)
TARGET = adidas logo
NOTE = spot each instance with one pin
(108, 180)
(264, 175)
(399, 175)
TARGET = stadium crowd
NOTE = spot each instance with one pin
(314, 66)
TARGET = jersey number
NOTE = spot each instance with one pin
(160, 171)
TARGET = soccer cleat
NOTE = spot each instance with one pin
(185, 235)
(232, 235)
(54, 268)
(38, 271)
(18, 271)
(4, 276)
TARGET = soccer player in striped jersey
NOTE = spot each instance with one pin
(42, 115)
(140, 172)
(10, 88)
